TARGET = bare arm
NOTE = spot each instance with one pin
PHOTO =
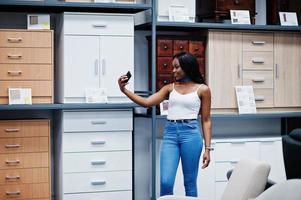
(206, 123)
(152, 100)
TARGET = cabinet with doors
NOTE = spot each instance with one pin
(94, 50)
(259, 59)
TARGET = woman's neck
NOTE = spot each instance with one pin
(185, 79)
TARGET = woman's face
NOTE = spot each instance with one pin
(177, 71)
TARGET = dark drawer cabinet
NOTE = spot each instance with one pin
(217, 9)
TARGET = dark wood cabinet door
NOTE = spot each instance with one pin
(227, 5)
(164, 79)
(197, 48)
(180, 46)
(164, 47)
(164, 65)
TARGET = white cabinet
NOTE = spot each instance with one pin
(94, 51)
(94, 153)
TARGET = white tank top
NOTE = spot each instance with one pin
(183, 106)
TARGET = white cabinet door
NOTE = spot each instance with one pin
(81, 63)
(117, 58)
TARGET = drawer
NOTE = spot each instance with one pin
(180, 46)
(26, 55)
(264, 97)
(163, 80)
(236, 150)
(258, 42)
(196, 48)
(164, 65)
(97, 161)
(26, 191)
(118, 195)
(25, 38)
(258, 60)
(226, 5)
(98, 121)
(26, 72)
(221, 169)
(220, 188)
(95, 24)
(24, 176)
(24, 145)
(24, 160)
(258, 79)
(38, 88)
(98, 141)
(164, 47)
(24, 128)
(97, 182)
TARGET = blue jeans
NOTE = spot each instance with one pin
(180, 140)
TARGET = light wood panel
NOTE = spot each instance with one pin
(25, 72)
(24, 160)
(26, 191)
(22, 145)
(24, 176)
(26, 55)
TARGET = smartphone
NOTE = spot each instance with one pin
(129, 75)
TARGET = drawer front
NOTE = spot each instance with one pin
(258, 42)
(26, 55)
(124, 195)
(163, 80)
(24, 145)
(35, 100)
(221, 169)
(180, 46)
(164, 47)
(258, 60)
(98, 121)
(97, 182)
(164, 65)
(38, 88)
(24, 160)
(226, 5)
(20, 128)
(236, 150)
(27, 191)
(196, 48)
(25, 72)
(97, 161)
(98, 141)
(264, 97)
(220, 188)
(92, 24)
(258, 79)
(25, 38)
(24, 176)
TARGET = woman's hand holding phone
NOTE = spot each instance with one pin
(123, 80)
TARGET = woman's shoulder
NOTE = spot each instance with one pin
(203, 89)
(169, 87)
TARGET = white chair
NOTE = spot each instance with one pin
(247, 181)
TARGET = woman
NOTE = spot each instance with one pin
(188, 97)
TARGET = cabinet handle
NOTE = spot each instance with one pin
(258, 60)
(12, 162)
(233, 162)
(258, 42)
(196, 49)
(258, 80)
(181, 47)
(10, 56)
(98, 142)
(98, 122)
(236, 2)
(96, 67)
(98, 182)
(238, 71)
(165, 47)
(12, 146)
(259, 98)
(98, 162)
(14, 40)
(165, 65)
(9, 130)
(237, 143)
(277, 70)
(14, 73)
(103, 65)
(8, 193)
(100, 25)
(12, 177)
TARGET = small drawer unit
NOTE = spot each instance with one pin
(26, 61)
(93, 145)
(25, 171)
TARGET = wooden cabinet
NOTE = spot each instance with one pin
(25, 171)
(95, 154)
(26, 61)
(223, 68)
(95, 55)
(287, 70)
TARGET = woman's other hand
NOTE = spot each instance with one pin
(206, 159)
(122, 82)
